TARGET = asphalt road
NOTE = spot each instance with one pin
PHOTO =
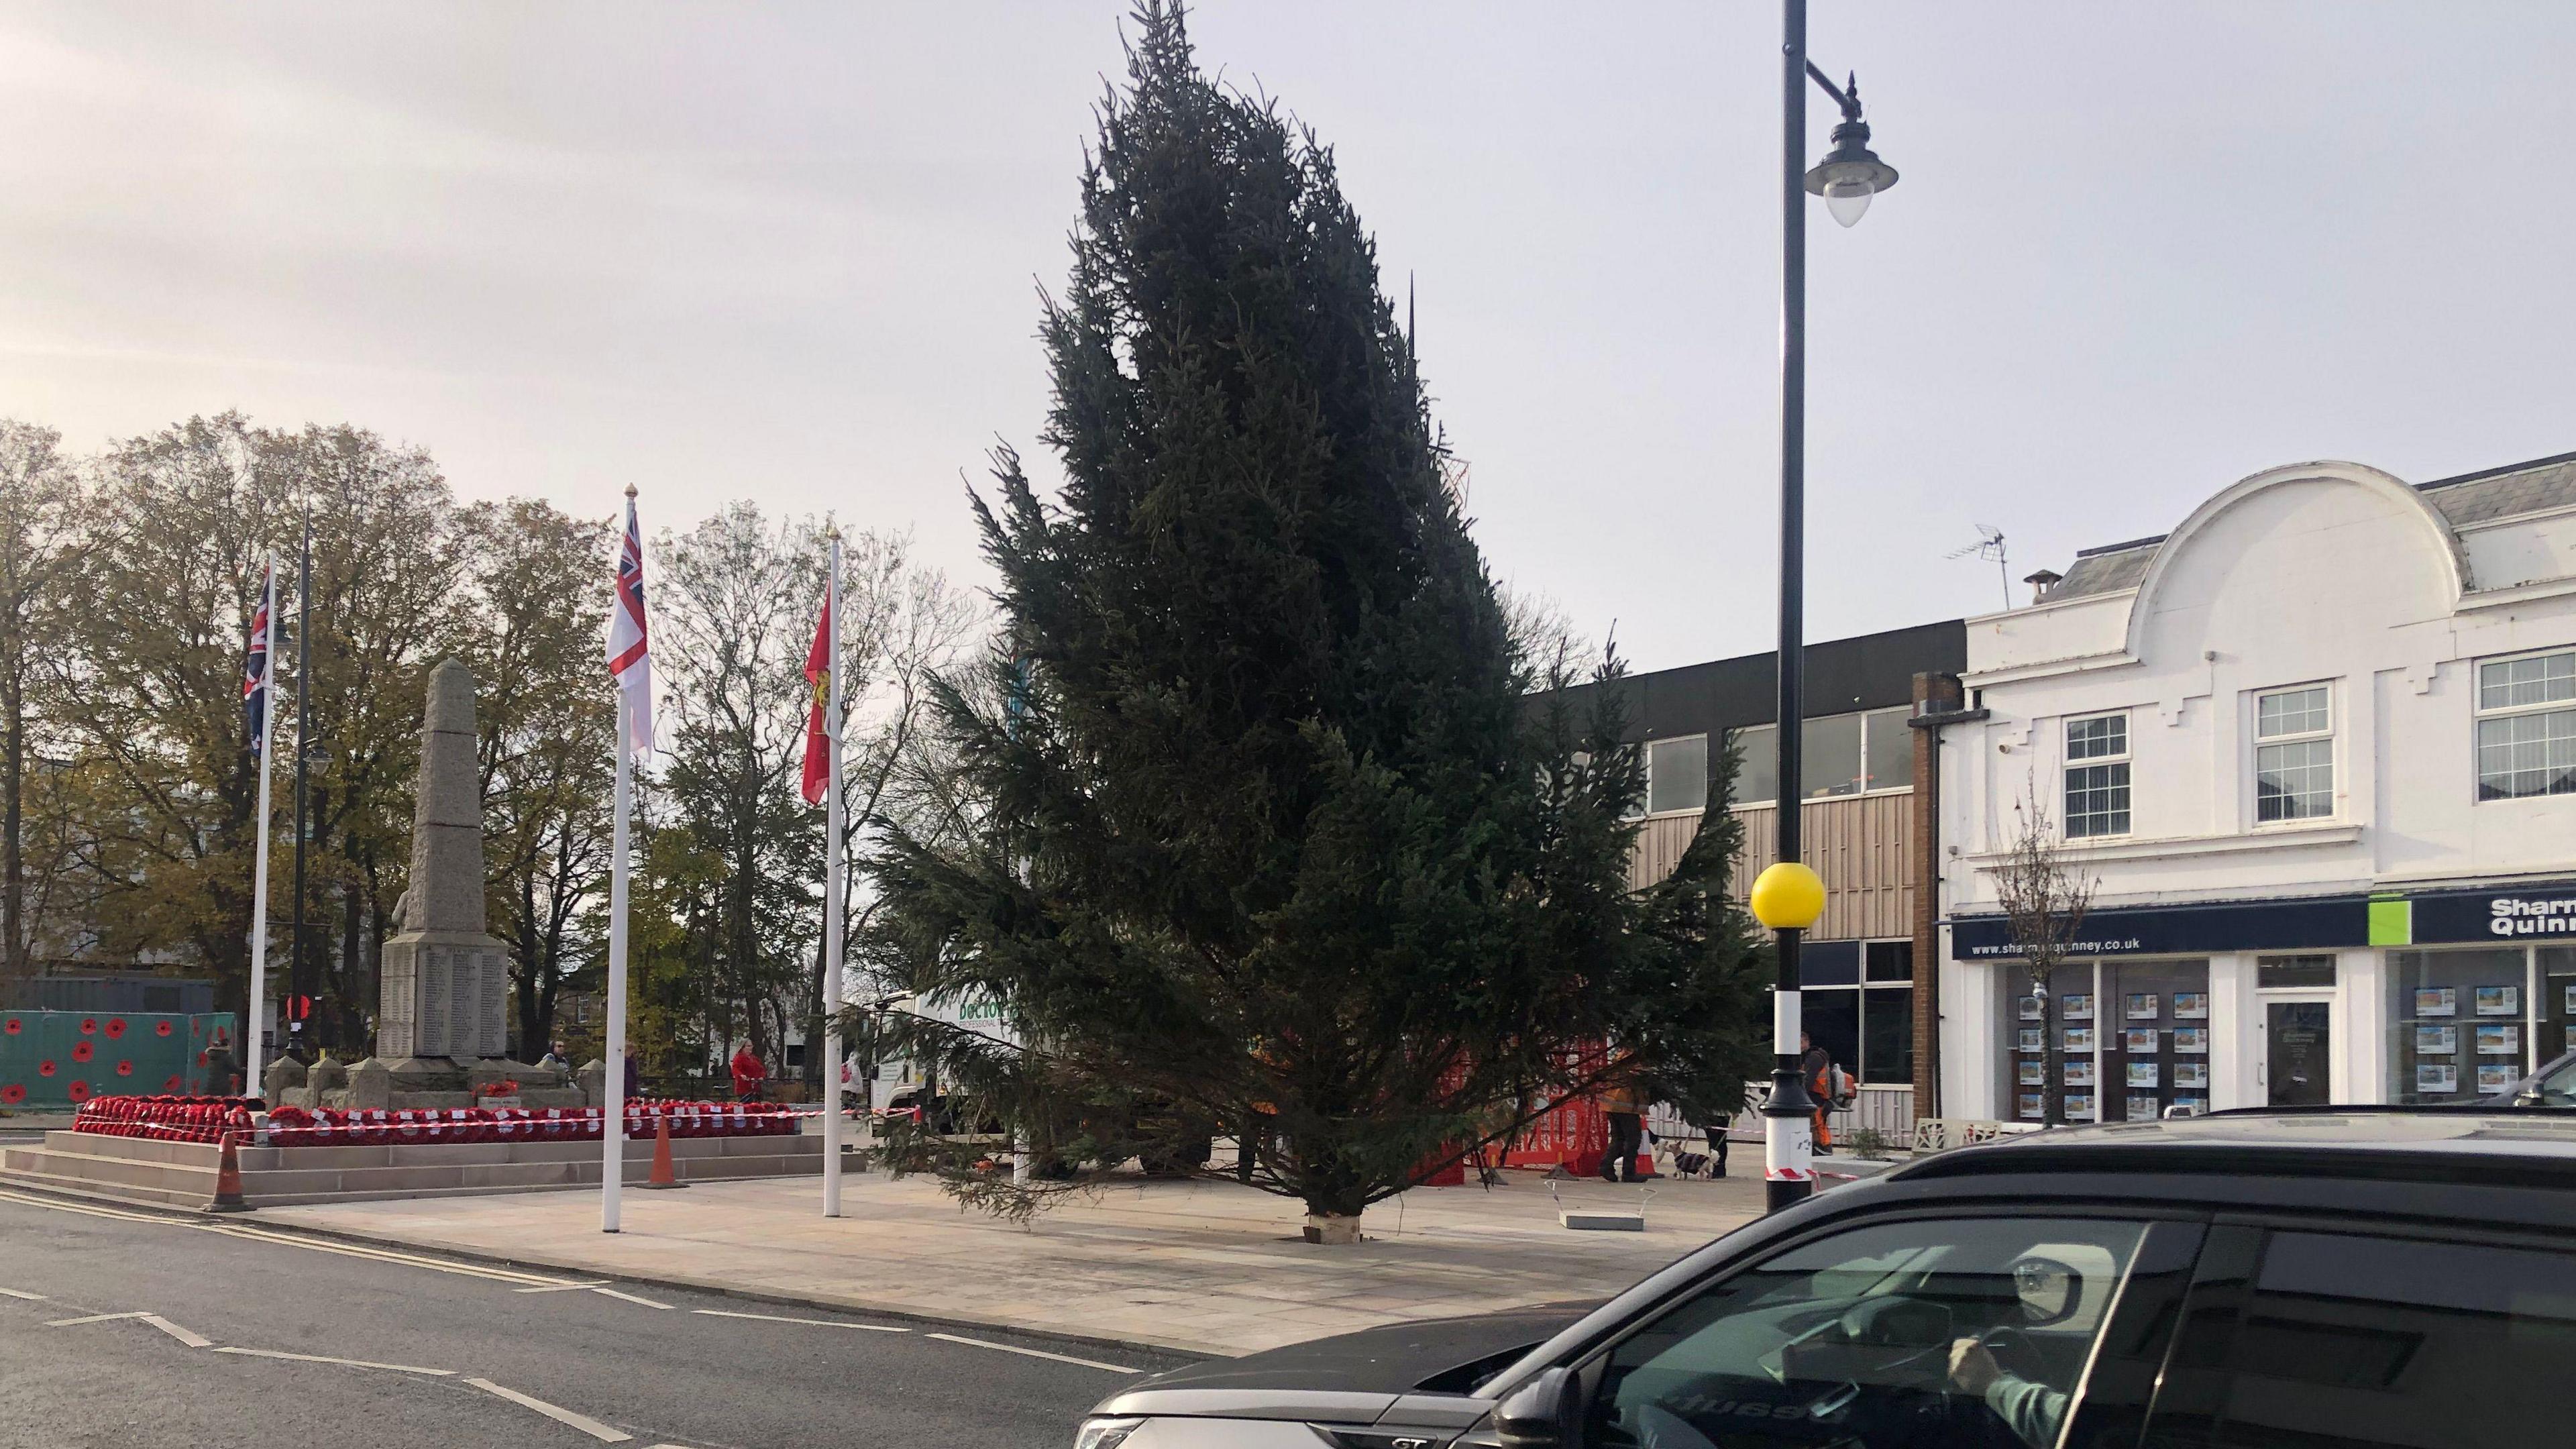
(406, 1351)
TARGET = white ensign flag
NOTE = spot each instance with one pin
(627, 657)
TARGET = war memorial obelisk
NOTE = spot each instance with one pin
(444, 982)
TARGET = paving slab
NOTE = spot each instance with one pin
(1205, 1267)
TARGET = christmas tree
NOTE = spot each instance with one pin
(1274, 827)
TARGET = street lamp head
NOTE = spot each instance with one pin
(1851, 173)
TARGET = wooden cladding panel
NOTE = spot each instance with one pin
(1858, 843)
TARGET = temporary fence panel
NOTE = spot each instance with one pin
(50, 1060)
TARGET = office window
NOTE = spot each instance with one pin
(2097, 776)
(1887, 748)
(1677, 774)
(1841, 754)
(1831, 747)
(1757, 771)
(2294, 754)
(2527, 727)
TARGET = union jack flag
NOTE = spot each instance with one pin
(629, 662)
(257, 675)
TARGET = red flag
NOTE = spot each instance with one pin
(818, 673)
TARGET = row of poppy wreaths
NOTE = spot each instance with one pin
(165, 1117)
(345, 1127)
(113, 1026)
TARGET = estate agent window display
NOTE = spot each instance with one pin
(2468, 1023)
(2133, 1039)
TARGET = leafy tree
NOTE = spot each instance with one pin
(149, 687)
(1264, 824)
(392, 597)
(547, 746)
(41, 543)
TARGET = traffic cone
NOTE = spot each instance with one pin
(228, 1189)
(663, 1177)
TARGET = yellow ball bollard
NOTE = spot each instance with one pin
(1788, 896)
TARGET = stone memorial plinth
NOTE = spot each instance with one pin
(445, 981)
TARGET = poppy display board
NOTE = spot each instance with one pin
(51, 1061)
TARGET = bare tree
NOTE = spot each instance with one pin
(2044, 902)
(901, 623)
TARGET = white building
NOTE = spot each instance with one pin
(2317, 750)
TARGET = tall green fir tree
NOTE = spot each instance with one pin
(1277, 831)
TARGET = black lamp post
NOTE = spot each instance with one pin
(1789, 897)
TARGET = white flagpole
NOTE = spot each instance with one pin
(612, 1125)
(256, 1022)
(833, 867)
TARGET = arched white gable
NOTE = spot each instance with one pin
(2421, 523)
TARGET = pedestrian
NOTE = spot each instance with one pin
(1620, 1103)
(1817, 1065)
(553, 1060)
(748, 1074)
(630, 1078)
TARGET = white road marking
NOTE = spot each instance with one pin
(817, 1322)
(562, 1287)
(21, 1293)
(1037, 1353)
(94, 1318)
(189, 1337)
(95, 1212)
(631, 1298)
(400, 1368)
(590, 1426)
(383, 1255)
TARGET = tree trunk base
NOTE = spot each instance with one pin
(1333, 1229)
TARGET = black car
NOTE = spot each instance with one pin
(2313, 1280)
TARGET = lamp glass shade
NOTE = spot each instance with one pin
(1848, 201)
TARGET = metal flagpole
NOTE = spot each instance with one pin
(259, 882)
(295, 979)
(612, 1112)
(833, 867)
(630, 665)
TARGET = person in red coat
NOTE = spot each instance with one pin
(748, 1074)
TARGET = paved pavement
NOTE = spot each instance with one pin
(141, 1330)
(1205, 1267)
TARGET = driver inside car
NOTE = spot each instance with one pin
(2031, 1410)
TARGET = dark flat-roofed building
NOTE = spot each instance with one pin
(1862, 830)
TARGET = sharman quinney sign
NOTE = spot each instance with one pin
(2383, 918)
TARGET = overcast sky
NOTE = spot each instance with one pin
(791, 252)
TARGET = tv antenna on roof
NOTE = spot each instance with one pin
(1989, 545)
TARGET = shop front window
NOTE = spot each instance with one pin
(2133, 1039)
(2458, 1023)
(1887, 1014)
(2556, 1008)
(2155, 1038)
(2069, 1012)
(1857, 1002)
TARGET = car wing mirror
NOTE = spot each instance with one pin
(1545, 1413)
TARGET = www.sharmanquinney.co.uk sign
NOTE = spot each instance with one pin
(2451, 916)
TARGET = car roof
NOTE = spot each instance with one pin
(2527, 1147)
